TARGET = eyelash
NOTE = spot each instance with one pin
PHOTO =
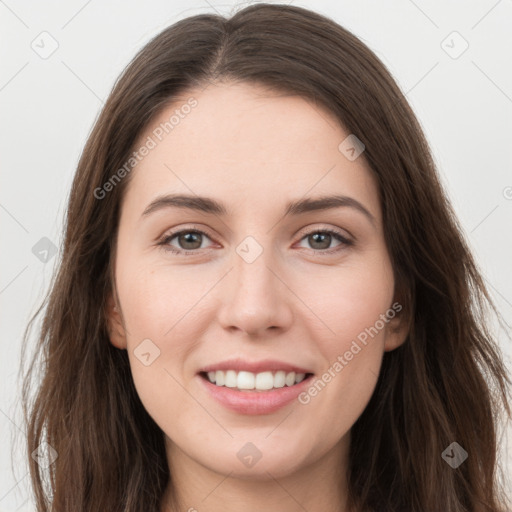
(345, 242)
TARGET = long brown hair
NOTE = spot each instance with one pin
(446, 383)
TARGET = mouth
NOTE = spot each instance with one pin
(251, 382)
(254, 387)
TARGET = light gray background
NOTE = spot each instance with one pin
(48, 106)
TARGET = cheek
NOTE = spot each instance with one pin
(349, 300)
(353, 351)
(342, 389)
(159, 310)
(157, 299)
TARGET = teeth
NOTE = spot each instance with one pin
(260, 381)
(230, 379)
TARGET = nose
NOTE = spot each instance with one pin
(255, 297)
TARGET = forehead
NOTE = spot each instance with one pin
(249, 146)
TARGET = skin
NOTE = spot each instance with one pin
(254, 150)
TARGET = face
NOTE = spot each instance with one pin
(253, 289)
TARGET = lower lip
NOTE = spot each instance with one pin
(255, 402)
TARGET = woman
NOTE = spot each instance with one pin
(202, 352)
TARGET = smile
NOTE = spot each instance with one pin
(255, 401)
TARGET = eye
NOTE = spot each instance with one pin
(320, 240)
(190, 240)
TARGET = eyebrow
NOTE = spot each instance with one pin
(214, 207)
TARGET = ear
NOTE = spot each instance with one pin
(397, 328)
(116, 330)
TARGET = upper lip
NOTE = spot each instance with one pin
(254, 366)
